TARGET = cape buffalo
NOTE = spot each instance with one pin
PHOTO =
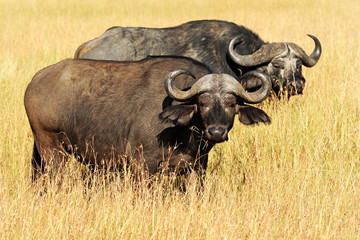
(223, 46)
(105, 111)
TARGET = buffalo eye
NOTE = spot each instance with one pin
(203, 101)
(230, 103)
(278, 64)
(298, 65)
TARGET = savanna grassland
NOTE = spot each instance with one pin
(297, 178)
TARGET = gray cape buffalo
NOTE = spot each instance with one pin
(223, 46)
(104, 112)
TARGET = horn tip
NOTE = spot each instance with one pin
(313, 37)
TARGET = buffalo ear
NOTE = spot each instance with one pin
(178, 114)
(249, 115)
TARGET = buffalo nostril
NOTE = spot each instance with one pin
(217, 133)
(300, 86)
(216, 130)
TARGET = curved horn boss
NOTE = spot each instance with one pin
(264, 54)
(206, 82)
(268, 51)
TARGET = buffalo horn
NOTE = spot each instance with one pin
(206, 83)
(268, 51)
(249, 97)
(264, 54)
(178, 94)
(172, 90)
(308, 61)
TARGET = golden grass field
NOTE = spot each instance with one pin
(298, 178)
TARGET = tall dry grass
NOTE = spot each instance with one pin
(297, 178)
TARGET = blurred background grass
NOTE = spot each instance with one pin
(297, 178)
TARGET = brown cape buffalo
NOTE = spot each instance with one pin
(105, 111)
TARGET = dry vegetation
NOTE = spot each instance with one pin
(297, 178)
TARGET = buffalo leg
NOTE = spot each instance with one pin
(48, 157)
(37, 166)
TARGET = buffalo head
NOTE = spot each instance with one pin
(212, 102)
(281, 61)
